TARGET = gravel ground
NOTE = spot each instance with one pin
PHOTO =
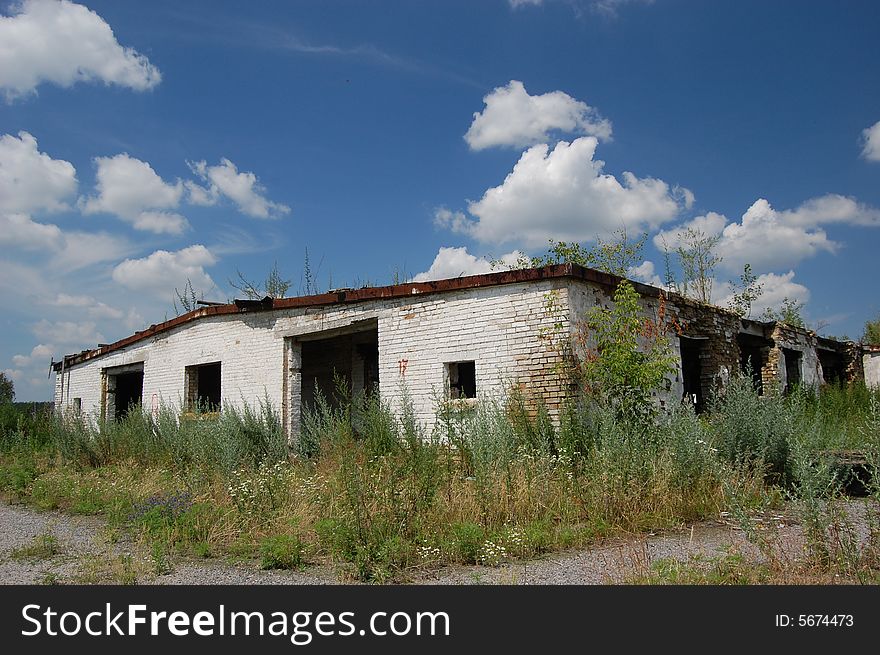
(89, 553)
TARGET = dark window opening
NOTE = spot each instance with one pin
(124, 390)
(754, 351)
(792, 368)
(692, 371)
(833, 366)
(129, 392)
(335, 368)
(203, 387)
(462, 380)
(77, 405)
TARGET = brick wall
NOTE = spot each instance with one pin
(500, 328)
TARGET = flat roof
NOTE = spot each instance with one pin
(346, 296)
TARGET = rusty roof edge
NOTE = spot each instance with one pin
(352, 295)
(514, 276)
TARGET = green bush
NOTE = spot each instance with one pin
(466, 541)
(282, 551)
(754, 429)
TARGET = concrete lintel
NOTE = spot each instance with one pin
(329, 329)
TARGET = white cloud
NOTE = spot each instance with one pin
(832, 208)
(198, 195)
(871, 142)
(523, 3)
(93, 307)
(775, 288)
(39, 354)
(69, 333)
(450, 220)
(130, 189)
(20, 231)
(645, 272)
(512, 117)
(769, 239)
(242, 188)
(64, 43)
(563, 194)
(456, 262)
(134, 320)
(81, 249)
(163, 271)
(710, 224)
(13, 374)
(31, 180)
(161, 222)
(68, 250)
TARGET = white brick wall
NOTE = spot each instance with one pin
(872, 369)
(499, 327)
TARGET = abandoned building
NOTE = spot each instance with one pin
(466, 337)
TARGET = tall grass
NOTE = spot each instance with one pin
(220, 442)
(378, 492)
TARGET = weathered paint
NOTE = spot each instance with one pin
(514, 325)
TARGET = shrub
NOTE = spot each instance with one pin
(466, 541)
(282, 551)
(753, 429)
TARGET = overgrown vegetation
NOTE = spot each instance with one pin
(872, 332)
(790, 312)
(371, 489)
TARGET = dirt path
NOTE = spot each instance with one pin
(87, 552)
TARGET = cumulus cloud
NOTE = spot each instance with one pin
(523, 3)
(69, 333)
(645, 272)
(31, 180)
(775, 289)
(832, 208)
(242, 188)
(456, 262)
(39, 354)
(130, 189)
(871, 142)
(771, 239)
(163, 271)
(64, 43)
(13, 374)
(81, 249)
(93, 307)
(512, 117)
(710, 224)
(20, 231)
(564, 195)
(451, 220)
(69, 250)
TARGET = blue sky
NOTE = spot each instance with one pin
(144, 144)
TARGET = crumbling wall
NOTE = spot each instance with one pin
(804, 342)
(717, 330)
(712, 328)
(856, 364)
